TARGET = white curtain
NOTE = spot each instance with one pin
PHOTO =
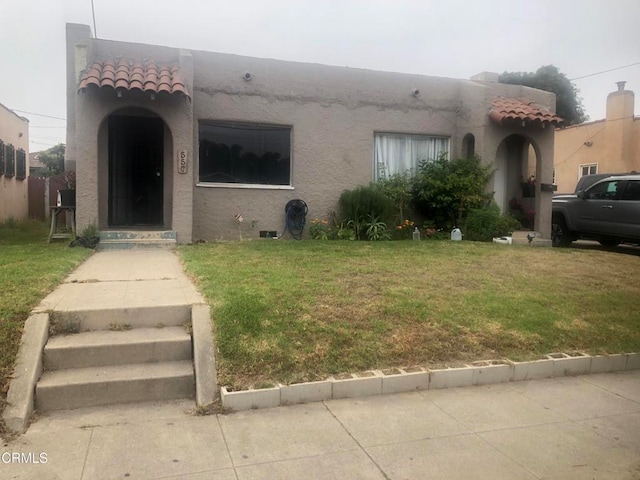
(397, 153)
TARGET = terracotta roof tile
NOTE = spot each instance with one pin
(133, 74)
(521, 110)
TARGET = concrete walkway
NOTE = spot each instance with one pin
(563, 428)
(585, 427)
(124, 279)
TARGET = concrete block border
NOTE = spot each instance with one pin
(27, 371)
(398, 380)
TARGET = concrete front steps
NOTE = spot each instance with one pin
(105, 367)
(128, 239)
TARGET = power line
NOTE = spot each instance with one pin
(40, 137)
(604, 71)
(40, 115)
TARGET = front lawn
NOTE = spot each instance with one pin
(292, 311)
(29, 269)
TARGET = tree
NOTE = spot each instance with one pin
(53, 160)
(548, 77)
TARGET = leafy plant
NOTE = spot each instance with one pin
(90, 231)
(444, 191)
(358, 206)
(483, 224)
(377, 230)
(345, 232)
(398, 189)
(320, 229)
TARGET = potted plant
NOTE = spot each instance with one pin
(529, 187)
(67, 196)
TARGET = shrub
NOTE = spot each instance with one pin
(398, 189)
(483, 224)
(359, 206)
(444, 191)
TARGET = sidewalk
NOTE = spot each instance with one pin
(563, 428)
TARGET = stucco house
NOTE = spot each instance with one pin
(610, 145)
(182, 141)
(14, 167)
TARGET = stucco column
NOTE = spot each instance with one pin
(86, 164)
(544, 174)
(184, 145)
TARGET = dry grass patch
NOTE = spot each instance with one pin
(286, 311)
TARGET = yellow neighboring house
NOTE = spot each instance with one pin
(611, 145)
(14, 168)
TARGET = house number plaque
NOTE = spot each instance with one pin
(183, 161)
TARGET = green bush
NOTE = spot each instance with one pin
(359, 206)
(445, 191)
(483, 224)
(398, 189)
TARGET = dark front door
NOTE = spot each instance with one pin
(135, 171)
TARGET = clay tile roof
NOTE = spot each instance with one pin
(512, 109)
(131, 74)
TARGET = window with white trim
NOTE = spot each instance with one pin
(398, 153)
(249, 154)
(588, 169)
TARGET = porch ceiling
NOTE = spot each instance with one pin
(132, 74)
(507, 110)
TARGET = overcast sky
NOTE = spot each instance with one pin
(450, 38)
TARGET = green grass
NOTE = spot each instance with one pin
(30, 268)
(295, 311)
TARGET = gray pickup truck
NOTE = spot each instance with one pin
(605, 208)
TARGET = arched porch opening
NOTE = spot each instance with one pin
(135, 171)
(514, 179)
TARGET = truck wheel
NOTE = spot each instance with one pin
(560, 236)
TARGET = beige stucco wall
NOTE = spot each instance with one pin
(613, 143)
(333, 112)
(14, 194)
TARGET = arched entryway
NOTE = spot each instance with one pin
(514, 178)
(136, 142)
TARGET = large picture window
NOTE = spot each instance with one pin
(398, 153)
(245, 154)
